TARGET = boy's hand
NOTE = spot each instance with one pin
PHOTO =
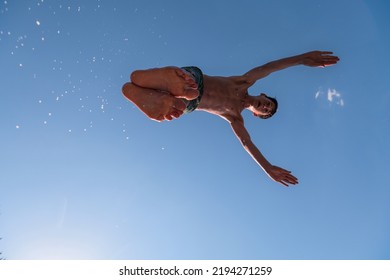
(319, 59)
(281, 175)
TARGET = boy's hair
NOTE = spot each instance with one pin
(273, 111)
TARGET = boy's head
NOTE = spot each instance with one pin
(264, 106)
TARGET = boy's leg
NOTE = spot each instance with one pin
(157, 105)
(174, 80)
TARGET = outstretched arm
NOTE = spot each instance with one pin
(276, 173)
(313, 59)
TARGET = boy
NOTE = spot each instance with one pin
(167, 93)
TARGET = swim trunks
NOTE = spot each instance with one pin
(198, 76)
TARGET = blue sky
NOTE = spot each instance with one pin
(85, 175)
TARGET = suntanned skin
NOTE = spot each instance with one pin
(159, 93)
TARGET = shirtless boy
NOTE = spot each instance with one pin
(167, 93)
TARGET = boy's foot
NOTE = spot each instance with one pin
(174, 80)
(157, 105)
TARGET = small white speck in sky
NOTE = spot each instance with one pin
(37, 22)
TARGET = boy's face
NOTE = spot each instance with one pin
(262, 105)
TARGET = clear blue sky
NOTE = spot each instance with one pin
(85, 175)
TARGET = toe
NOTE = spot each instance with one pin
(191, 93)
(176, 113)
(191, 82)
(168, 117)
(182, 73)
(188, 78)
(159, 118)
(179, 105)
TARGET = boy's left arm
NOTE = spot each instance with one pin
(312, 59)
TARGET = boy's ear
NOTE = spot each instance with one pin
(256, 115)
